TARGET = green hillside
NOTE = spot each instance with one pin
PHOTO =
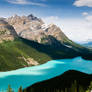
(11, 50)
(11, 53)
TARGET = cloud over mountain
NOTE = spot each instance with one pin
(76, 29)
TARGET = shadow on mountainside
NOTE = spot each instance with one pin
(57, 50)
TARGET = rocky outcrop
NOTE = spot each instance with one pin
(30, 61)
(7, 32)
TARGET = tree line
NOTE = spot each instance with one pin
(74, 88)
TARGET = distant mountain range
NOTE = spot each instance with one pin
(27, 41)
(88, 44)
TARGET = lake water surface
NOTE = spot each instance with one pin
(27, 76)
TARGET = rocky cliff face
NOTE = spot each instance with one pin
(7, 32)
(33, 28)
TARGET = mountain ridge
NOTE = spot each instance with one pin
(31, 28)
(34, 28)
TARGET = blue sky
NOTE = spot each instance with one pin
(64, 8)
(72, 16)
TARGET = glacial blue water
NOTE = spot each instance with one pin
(27, 76)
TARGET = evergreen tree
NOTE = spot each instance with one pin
(20, 89)
(9, 89)
(61, 91)
(81, 89)
(57, 90)
(90, 87)
(74, 87)
(25, 90)
(66, 90)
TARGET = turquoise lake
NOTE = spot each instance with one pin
(25, 77)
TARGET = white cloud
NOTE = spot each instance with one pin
(84, 13)
(80, 3)
(89, 18)
(24, 2)
(78, 30)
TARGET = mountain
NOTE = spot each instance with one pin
(27, 41)
(33, 28)
(70, 81)
(13, 51)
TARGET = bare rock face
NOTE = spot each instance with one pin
(7, 32)
(33, 28)
(24, 23)
(44, 35)
(56, 32)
